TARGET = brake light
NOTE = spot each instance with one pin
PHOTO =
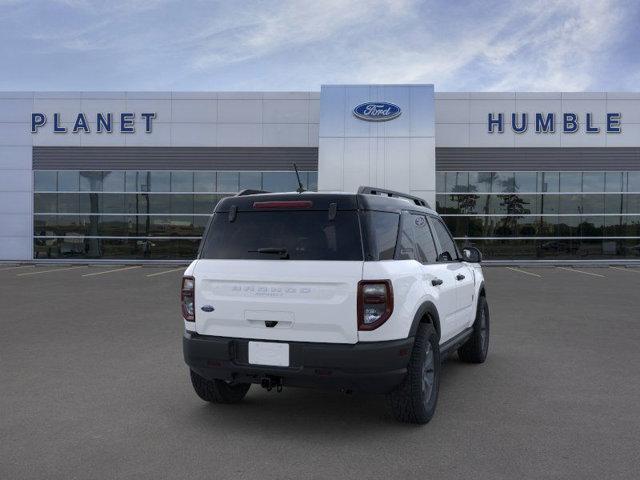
(187, 298)
(284, 204)
(375, 303)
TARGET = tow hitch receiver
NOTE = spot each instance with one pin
(271, 382)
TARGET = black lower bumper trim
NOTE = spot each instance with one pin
(373, 367)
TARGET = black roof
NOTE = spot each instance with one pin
(321, 201)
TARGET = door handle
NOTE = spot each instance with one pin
(436, 281)
(459, 277)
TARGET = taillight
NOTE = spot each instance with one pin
(187, 298)
(375, 303)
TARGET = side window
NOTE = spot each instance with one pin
(406, 241)
(426, 249)
(447, 251)
(382, 234)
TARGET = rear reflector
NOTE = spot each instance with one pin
(284, 204)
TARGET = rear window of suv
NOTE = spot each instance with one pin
(287, 234)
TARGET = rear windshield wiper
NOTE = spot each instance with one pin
(284, 254)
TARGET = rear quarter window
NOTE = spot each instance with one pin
(381, 234)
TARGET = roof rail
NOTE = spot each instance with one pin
(249, 191)
(390, 193)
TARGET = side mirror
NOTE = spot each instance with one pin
(471, 255)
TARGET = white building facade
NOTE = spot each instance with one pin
(135, 175)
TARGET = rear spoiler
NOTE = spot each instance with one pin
(391, 193)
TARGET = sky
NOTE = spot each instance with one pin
(234, 45)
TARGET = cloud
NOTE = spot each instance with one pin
(299, 44)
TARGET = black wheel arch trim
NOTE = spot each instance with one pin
(427, 308)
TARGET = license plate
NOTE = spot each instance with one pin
(269, 353)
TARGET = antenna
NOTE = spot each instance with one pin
(300, 188)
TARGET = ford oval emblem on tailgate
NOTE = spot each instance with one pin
(377, 111)
(207, 308)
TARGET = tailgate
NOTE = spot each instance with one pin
(303, 301)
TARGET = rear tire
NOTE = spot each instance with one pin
(415, 399)
(218, 391)
(475, 349)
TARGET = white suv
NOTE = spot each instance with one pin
(359, 292)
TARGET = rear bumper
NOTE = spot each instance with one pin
(372, 367)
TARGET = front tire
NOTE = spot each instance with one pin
(218, 391)
(475, 349)
(415, 399)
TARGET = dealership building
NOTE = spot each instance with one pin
(136, 175)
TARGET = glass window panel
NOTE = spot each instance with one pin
(113, 226)
(614, 226)
(45, 203)
(181, 203)
(279, 181)
(90, 203)
(425, 246)
(549, 182)
(204, 181)
(475, 226)
(613, 182)
(593, 181)
(206, 203)
(591, 226)
(480, 181)
(313, 181)
(182, 181)
(68, 181)
(549, 204)
(631, 203)
(504, 182)
(633, 182)
(527, 226)
(632, 226)
(199, 224)
(253, 180)
(159, 182)
(113, 181)
(497, 205)
(440, 182)
(68, 203)
(569, 226)
(45, 181)
(113, 203)
(441, 203)
(548, 226)
(137, 181)
(470, 203)
(457, 225)
(91, 181)
(457, 182)
(571, 203)
(526, 182)
(157, 203)
(227, 182)
(571, 181)
(592, 203)
(613, 203)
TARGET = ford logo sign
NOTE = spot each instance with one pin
(377, 111)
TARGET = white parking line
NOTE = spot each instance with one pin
(111, 271)
(15, 268)
(49, 271)
(581, 271)
(522, 271)
(634, 270)
(166, 271)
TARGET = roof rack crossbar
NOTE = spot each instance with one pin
(249, 191)
(391, 193)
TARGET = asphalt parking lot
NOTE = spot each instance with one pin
(93, 385)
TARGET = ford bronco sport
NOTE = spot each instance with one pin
(358, 292)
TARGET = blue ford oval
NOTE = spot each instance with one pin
(377, 111)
